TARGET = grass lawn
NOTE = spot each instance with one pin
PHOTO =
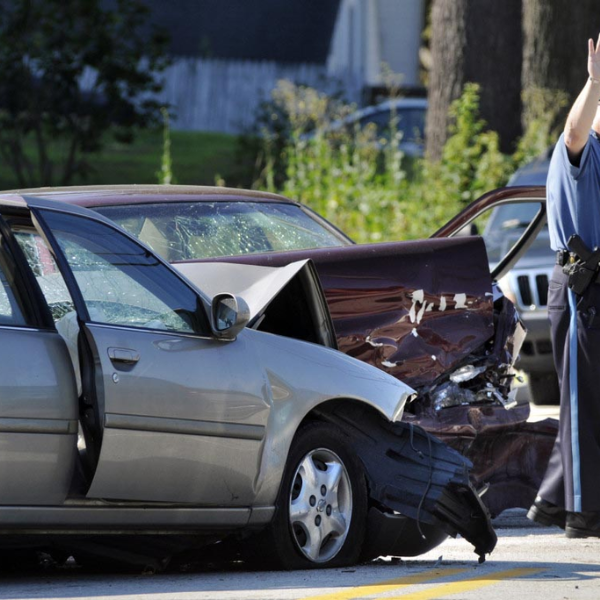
(197, 158)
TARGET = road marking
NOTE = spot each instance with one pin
(387, 586)
(466, 585)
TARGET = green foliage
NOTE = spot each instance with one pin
(471, 159)
(165, 175)
(196, 156)
(542, 108)
(262, 150)
(365, 185)
(47, 47)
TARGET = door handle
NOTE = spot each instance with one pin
(123, 355)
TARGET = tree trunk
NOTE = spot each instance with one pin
(476, 41)
(555, 38)
(448, 41)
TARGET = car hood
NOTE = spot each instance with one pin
(256, 285)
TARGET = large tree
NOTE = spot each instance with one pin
(555, 47)
(475, 41)
(69, 71)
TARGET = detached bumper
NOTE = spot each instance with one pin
(415, 474)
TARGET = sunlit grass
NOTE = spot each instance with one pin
(197, 158)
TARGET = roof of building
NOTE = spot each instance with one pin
(289, 31)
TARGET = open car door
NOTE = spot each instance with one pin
(38, 402)
(169, 412)
(508, 241)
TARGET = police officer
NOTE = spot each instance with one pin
(570, 492)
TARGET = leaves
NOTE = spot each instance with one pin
(366, 187)
(68, 70)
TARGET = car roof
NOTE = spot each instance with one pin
(398, 103)
(109, 195)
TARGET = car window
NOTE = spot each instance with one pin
(195, 230)
(11, 312)
(505, 226)
(120, 282)
(46, 272)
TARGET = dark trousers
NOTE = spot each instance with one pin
(572, 479)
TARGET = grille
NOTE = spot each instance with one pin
(531, 289)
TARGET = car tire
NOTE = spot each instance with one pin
(321, 510)
(543, 388)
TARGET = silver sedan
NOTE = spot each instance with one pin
(133, 402)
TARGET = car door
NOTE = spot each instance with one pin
(504, 248)
(38, 402)
(170, 413)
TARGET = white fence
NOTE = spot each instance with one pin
(222, 95)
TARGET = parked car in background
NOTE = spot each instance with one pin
(426, 312)
(409, 116)
(527, 282)
(133, 403)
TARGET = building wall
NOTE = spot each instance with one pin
(370, 32)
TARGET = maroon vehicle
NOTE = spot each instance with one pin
(428, 312)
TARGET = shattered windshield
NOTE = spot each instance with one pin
(181, 231)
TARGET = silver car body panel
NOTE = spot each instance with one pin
(301, 377)
(38, 417)
(206, 444)
(157, 414)
(92, 518)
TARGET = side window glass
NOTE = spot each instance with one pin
(121, 283)
(46, 272)
(11, 311)
(505, 225)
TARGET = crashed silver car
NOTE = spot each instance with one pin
(133, 403)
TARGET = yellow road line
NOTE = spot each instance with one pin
(466, 585)
(387, 586)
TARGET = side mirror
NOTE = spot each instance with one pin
(230, 314)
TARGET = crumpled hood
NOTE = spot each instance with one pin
(256, 285)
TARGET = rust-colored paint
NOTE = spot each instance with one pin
(370, 290)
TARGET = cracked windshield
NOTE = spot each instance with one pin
(184, 231)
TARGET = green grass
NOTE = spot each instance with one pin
(198, 157)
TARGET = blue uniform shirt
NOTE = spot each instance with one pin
(573, 195)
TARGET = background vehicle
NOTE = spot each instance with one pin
(425, 311)
(409, 115)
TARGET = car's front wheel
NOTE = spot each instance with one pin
(321, 509)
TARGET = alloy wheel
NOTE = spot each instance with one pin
(320, 508)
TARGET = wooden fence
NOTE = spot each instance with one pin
(222, 95)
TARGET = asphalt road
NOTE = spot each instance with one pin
(529, 562)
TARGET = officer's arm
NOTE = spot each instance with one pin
(581, 116)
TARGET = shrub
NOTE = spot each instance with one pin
(365, 185)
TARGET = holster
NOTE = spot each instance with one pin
(583, 271)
